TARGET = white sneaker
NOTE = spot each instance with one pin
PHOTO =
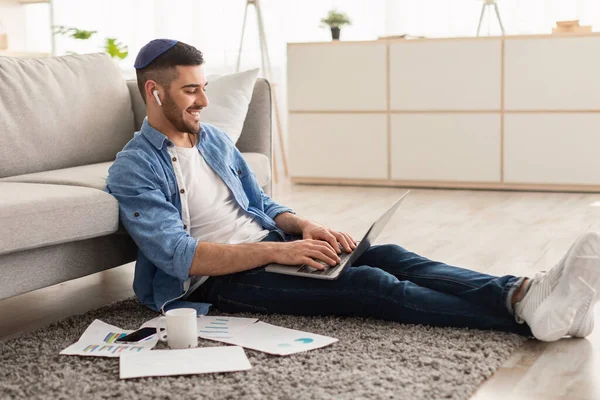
(561, 302)
(583, 324)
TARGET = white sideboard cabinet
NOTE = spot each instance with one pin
(518, 112)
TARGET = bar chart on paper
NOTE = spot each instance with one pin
(99, 338)
(222, 327)
(111, 337)
(112, 349)
(218, 326)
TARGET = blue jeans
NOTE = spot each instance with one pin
(387, 282)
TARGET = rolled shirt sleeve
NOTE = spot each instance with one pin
(272, 208)
(150, 219)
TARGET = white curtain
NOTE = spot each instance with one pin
(214, 26)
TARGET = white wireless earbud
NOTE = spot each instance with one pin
(155, 93)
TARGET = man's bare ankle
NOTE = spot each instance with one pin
(520, 293)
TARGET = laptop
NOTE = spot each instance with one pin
(346, 259)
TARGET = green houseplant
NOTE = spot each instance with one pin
(73, 32)
(335, 20)
(115, 49)
(112, 46)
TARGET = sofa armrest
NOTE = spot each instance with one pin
(257, 133)
(139, 107)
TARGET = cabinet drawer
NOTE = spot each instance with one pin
(337, 77)
(552, 74)
(552, 148)
(446, 75)
(446, 147)
(338, 145)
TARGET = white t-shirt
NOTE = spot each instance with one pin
(214, 214)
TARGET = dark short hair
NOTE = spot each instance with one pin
(162, 68)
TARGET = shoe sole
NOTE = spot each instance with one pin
(586, 329)
(579, 283)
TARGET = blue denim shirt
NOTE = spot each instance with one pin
(143, 181)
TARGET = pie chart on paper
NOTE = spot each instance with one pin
(297, 341)
(277, 340)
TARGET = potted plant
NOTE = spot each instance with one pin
(335, 20)
(73, 32)
(112, 46)
(115, 48)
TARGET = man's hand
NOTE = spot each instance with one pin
(300, 252)
(311, 230)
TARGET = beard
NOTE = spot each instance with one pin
(175, 116)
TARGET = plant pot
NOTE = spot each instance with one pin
(335, 33)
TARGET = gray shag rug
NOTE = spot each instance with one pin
(372, 360)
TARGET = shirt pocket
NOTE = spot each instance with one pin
(169, 188)
(172, 186)
(168, 182)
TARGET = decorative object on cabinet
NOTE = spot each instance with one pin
(335, 20)
(571, 27)
(403, 36)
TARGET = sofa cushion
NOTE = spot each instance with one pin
(229, 97)
(35, 215)
(260, 165)
(61, 112)
(92, 176)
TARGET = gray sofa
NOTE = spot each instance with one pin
(62, 122)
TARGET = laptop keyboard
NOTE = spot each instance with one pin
(307, 269)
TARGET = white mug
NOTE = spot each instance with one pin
(181, 328)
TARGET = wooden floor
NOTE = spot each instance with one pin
(490, 231)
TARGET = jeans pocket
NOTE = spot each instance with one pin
(231, 306)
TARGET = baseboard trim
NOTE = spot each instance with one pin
(537, 187)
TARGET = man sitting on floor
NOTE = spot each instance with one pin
(205, 230)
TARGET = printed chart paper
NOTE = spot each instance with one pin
(276, 340)
(201, 360)
(98, 340)
(215, 326)
(222, 327)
